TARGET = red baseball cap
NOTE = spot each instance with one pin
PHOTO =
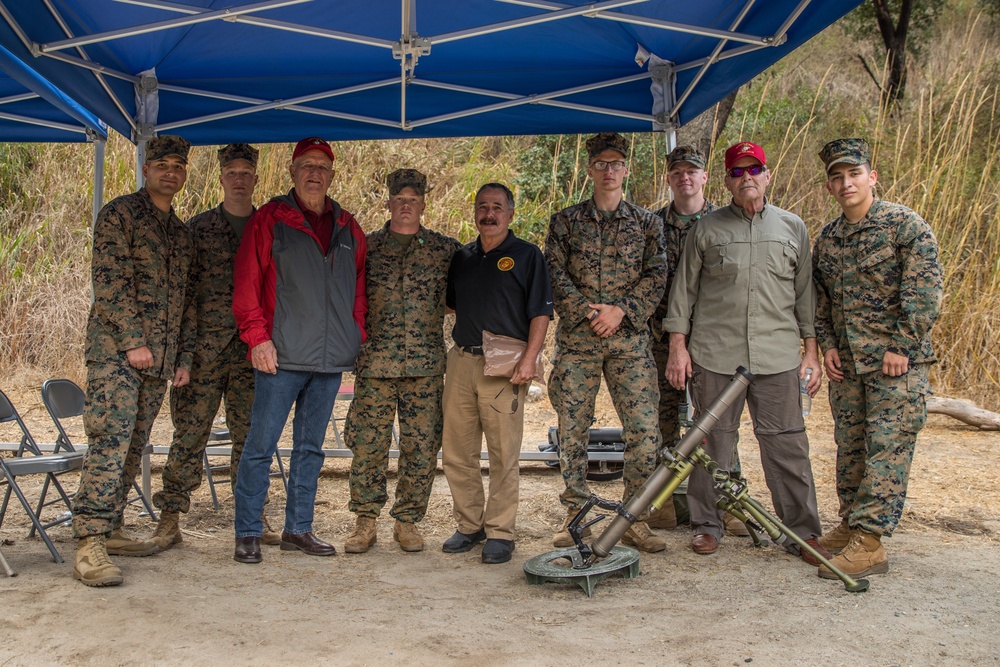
(312, 144)
(744, 149)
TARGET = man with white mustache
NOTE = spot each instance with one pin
(743, 293)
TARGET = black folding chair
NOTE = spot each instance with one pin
(30, 461)
(64, 399)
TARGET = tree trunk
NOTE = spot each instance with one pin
(704, 129)
(983, 419)
(894, 38)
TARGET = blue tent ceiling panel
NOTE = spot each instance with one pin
(31, 109)
(279, 69)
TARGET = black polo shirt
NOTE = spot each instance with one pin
(500, 291)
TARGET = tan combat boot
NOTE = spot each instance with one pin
(862, 556)
(734, 526)
(836, 539)
(362, 537)
(92, 566)
(121, 543)
(562, 538)
(269, 536)
(663, 518)
(407, 536)
(643, 539)
(168, 530)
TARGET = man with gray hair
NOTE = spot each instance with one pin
(299, 301)
(497, 283)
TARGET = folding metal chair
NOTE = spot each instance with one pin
(64, 400)
(30, 461)
(221, 437)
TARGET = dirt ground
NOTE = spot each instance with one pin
(194, 605)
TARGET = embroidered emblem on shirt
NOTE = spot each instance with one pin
(505, 264)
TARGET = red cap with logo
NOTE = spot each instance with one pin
(312, 144)
(744, 149)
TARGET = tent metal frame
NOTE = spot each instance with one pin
(409, 49)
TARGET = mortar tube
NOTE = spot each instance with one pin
(661, 477)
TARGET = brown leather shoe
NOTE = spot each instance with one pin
(704, 544)
(809, 558)
(307, 543)
(247, 550)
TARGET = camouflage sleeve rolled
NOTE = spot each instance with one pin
(920, 286)
(113, 278)
(825, 334)
(640, 302)
(569, 302)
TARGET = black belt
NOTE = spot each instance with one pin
(472, 349)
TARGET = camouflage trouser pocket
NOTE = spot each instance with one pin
(112, 393)
(917, 389)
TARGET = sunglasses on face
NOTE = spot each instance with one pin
(753, 170)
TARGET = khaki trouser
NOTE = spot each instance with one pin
(475, 405)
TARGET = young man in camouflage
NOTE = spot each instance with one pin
(141, 257)
(608, 269)
(400, 368)
(219, 367)
(686, 177)
(878, 282)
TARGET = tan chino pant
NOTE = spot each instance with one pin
(475, 405)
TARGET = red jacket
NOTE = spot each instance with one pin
(322, 305)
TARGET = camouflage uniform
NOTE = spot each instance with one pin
(400, 368)
(675, 232)
(220, 367)
(620, 262)
(141, 259)
(879, 287)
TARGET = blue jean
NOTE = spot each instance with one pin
(313, 395)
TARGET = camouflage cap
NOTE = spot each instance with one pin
(406, 178)
(167, 144)
(238, 152)
(605, 140)
(849, 151)
(688, 154)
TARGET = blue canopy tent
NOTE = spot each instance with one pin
(216, 71)
(32, 109)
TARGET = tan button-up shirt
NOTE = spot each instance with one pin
(743, 291)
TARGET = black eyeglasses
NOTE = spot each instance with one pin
(514, 403)
(601, 165)
(753, 170)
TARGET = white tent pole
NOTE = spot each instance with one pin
(140, 159)
(98, 199)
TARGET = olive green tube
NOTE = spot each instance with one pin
(665, 477)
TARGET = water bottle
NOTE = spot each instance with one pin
(683, 414)
(807, 400)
